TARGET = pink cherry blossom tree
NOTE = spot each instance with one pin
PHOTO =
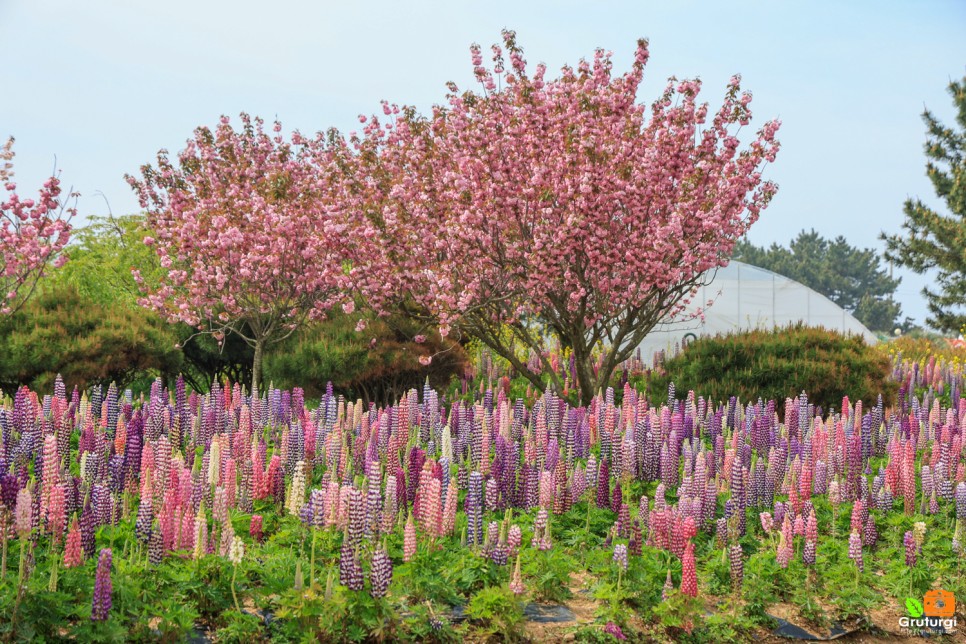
(33, 233)
(559, 206)
(248, 226)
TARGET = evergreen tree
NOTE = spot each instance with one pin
(936, 241)
(851, 277)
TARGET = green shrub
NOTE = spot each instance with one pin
(499, 613)
(378, 364)
(777, 364)
(89, 343)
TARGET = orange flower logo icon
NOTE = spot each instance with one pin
(939, 603)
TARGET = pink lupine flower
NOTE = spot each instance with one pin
(73, 554)
(766, 522)
(409, 539)
(689, 577)
(255, 528)
(516, 582)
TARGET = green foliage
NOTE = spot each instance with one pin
(592, 634)
(420, 579)
(679, 613)
(467, 572)
(88, 343)
(498, 611)
(548, 574)
(377, 365)
(720, 627)
(776, 364)
(343, 616)
(208, 362)
(849, 276)
(932, 241)
(240, 628)
(102, 255)
(424, 624)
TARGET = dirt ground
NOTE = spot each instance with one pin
(880, 627)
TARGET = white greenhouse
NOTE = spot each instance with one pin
(746, 297)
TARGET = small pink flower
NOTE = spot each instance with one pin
(419, 339)
(425, 360)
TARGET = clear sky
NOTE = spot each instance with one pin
(101, 85)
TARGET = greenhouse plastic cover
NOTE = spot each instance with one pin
(746, 297)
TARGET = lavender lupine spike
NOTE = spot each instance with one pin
(620, 555)
(961, 501)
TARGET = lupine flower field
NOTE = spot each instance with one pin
(406, 374)
(229, 518)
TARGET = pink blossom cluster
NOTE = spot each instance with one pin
(33, 233)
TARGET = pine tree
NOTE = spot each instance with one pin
(934, 241)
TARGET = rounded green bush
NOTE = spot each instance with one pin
(777, 364)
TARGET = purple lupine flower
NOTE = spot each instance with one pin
(145, 517)
(961, 500)
(357, 517)
(381, 574)
(102, 587)
(869, 534)
(499, 554)
(350, 572)
(492, 493)
(644, 511)
(603, 485)
(155, 547)
(778, 516)
(736, 559)
(474, 509)
(617, 500)
(539, 524)
(624, 520)
(855, 550)
(721, 531)
(313, 512)
(912, 550)
(620, 555)
(492, 532)
(614, 630)
(514, 538)
(636, 543)
(88, 525)
(808, 553)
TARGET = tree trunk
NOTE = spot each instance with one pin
(585, 377)
(257, 367)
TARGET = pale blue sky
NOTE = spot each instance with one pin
(102, 85)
